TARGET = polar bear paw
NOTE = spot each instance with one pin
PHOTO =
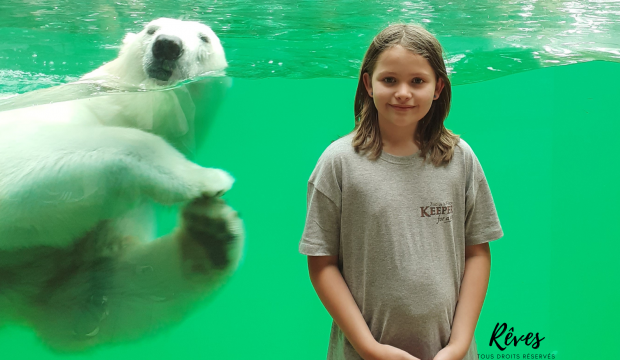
(187, 183)
(215, 227)
(215, 182)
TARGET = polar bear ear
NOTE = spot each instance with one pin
(129, 38)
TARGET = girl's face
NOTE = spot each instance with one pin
(403, 87)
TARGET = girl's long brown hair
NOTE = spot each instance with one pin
(432, 137)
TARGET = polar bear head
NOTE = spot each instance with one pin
(164, 52)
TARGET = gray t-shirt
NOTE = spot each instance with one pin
(399, 226)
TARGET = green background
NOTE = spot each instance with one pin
(545, 136)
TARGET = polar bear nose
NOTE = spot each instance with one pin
(167, 47)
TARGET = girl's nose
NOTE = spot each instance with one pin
(403, 92)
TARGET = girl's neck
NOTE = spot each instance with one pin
(398, 141)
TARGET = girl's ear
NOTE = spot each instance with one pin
(367, 83)
(439, 87)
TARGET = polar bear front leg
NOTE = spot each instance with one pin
(57, 182)
(166, 176)
(186, 181)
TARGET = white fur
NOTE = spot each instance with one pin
(77, 182)
(198, 57)
(144, 110)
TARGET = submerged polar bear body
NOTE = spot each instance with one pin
(78, 179)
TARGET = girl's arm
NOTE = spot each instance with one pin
(471, 297)
(337, 299)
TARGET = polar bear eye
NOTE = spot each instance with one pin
(204, 38)
(151, 31)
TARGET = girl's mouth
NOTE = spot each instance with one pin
(399, 107)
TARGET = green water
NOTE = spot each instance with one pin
(53, 41)
(545, 136)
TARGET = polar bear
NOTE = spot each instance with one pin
(139, 88)
(78, 180)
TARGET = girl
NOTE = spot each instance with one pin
(400, 214)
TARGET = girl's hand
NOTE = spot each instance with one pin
(387, 352)
(449, 353)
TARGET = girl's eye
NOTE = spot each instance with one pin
(391, 80)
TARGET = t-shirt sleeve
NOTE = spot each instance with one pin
(321, 235)
(481, 220)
